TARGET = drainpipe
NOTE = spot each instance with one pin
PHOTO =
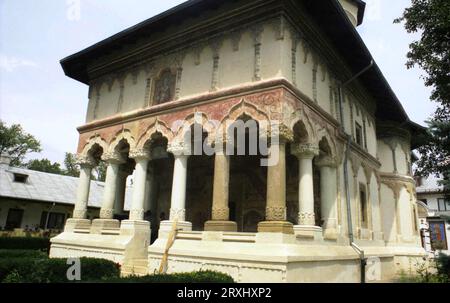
(346, 178)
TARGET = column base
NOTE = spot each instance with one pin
(330, 234)
(229, 226)
(308, 231)
(100, 225)
(283, 227)
(165, 227)
(73, 224)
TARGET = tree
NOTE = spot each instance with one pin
(16, 143)
(72, 168)
(101, 171)
(44, 165)
(431, 19)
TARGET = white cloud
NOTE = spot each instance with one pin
(10, 64)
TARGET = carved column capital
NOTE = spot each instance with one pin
(305, 151)
(86, 161)
(140, 154)
(113, 158)
(282, 133)
(179, 149)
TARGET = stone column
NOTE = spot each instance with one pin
(220, 220)
(79, 220)
(328, 198)
(306, 217)
(107, 221)
(142, 158)
(136, 227)
(276, 189)
(178, 200)
(121, 189)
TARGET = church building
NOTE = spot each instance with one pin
(264, 141)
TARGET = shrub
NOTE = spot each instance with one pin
(194, 277)
(24, 243)
(443, 265)
(44, 270)
(22, 253)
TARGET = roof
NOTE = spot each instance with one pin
(430, 185)
(361, 10)
(48, 188)
(327, 14)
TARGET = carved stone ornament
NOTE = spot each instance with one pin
(80, 214)
(140, 154)
(282, 133)
(113, 158)
(275, 213)
(179, 149)
(221, 214)
(86, 161)
(177, 214)
(305, 150)
(106, 213)
(305, 218)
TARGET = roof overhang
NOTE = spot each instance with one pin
(329, 16)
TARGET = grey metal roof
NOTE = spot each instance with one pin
(46, 187)
(430, 185)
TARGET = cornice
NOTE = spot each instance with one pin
(187, 36)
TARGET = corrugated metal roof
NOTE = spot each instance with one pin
(430, 185)
(46, 187)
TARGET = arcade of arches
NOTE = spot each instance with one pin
(217, 192)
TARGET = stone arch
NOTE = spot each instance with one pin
(158, 127)
(123, 135)
(93, 143)
(299, 117)
(198, 118)
(326, 142)
(248, 109)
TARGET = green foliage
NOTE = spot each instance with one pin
(430, 18)
(17, 143)
(22, 243)
(44, 165)
(101, 171)
(21, 253)
(436, 271)
(194, 277)
(72, 168)
(44, 270)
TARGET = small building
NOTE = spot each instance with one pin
(435, 214)
(32, 200)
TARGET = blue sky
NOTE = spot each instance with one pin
(35, 35)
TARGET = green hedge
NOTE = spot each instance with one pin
(24, 243)
(22, 253)
(44, 270)
(194, 277)
(443, 265)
